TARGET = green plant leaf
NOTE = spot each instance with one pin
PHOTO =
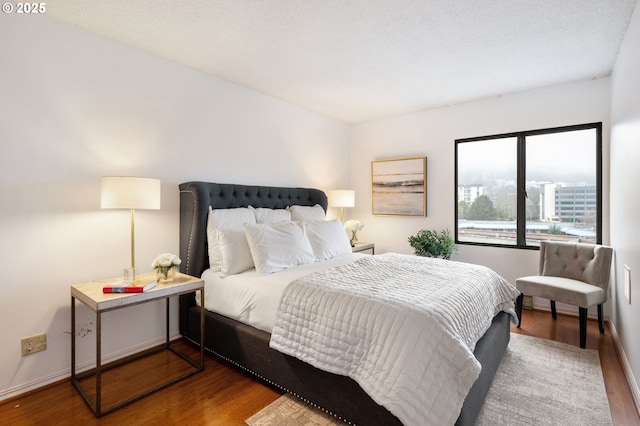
(430, 243)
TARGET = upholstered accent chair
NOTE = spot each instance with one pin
(572, 273)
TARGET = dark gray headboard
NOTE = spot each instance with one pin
(196, 197)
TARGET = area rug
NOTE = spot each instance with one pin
(539, 382)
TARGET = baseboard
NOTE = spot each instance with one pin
(66, 373)
(18, 390)
(626, 367)
(561, 308)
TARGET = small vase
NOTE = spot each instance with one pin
(354, 238)
(165, 273)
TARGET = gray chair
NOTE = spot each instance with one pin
(573, 273)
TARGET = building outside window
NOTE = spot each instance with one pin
(520, 188)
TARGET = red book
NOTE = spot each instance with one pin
(128, 286)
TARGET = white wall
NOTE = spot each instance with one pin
(74, 107)
(625, 205)
(432, 133)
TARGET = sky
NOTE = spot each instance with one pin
(567, 157)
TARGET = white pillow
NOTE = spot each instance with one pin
(270, 215)
(328, 239)
(278, 246)
(224, 218)
(236, 256)
(307, 213)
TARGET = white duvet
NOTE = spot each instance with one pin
(403, 327)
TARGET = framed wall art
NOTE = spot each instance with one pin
(399, 187)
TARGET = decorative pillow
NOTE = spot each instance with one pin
(224, 218)
(236, 256)
(328, 239)
(278, 246)
(270, 215)
(307, 213)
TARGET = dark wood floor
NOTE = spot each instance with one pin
(222, 395)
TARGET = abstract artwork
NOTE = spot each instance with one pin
(399, 187)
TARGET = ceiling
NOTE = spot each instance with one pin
(360, 60)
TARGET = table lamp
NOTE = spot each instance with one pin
(341, 198)
(132, 193)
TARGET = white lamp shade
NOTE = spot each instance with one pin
(341, 198)
(130, 193)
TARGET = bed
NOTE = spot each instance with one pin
(249, 348)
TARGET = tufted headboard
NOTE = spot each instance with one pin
(196, 197)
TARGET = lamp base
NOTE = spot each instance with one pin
(130, 274)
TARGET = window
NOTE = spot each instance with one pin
(517, 189)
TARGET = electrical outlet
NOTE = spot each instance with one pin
(627, 283)
(33, 344)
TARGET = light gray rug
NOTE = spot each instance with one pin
(542, 382)
(539, 382)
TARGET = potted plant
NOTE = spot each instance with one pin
(433, 243)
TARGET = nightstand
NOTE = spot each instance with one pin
(360, 247)
(91, 295)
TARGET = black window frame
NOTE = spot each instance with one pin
(521, 181)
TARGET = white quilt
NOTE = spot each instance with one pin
(403, 327)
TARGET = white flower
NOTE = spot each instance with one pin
(353, 225)
(166, 260)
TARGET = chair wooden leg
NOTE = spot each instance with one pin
(583, 327)
(519, 308)
(600, 319)
(554, 315)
